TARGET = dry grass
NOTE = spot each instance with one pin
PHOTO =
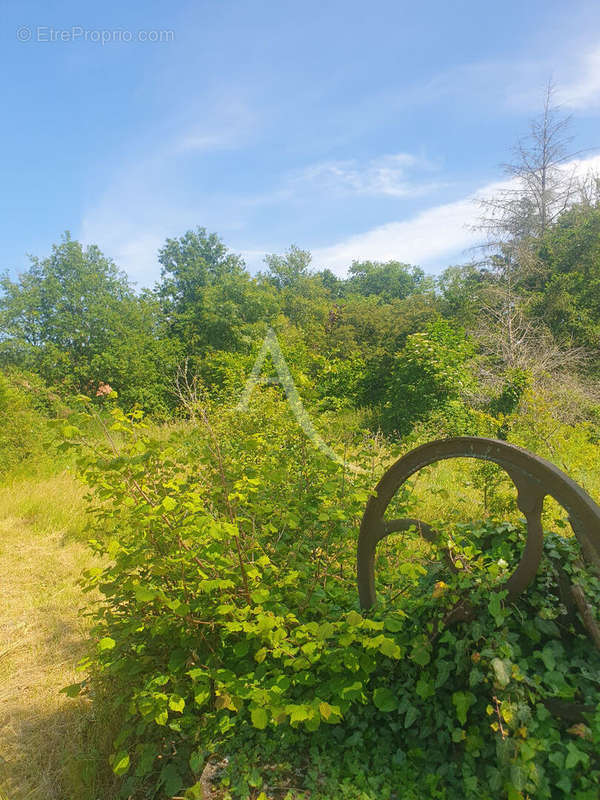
(50, 745)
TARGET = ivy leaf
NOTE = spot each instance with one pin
(385, 699)
(495, 608)
(463, 701)
(575, 756)
(501, 672)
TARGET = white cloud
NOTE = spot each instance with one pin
(430, 235)
(389, 175)
(582, 90)
(430, 239)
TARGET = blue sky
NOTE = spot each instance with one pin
(348, 128)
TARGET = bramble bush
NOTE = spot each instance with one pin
(229, 630)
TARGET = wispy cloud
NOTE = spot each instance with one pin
(394, 175)
(582, 89)
(230, 124)
(432, 238)
(433, 234)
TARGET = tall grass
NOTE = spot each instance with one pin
(51, 747)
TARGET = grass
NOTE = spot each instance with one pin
(51, 747)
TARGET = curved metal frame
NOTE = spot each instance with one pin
(533, 477)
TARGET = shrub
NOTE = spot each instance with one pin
(229, 627)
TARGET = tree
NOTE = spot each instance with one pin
(460, 288)
(541, 186)
(389, 281)
(429, 371)
(288, 270)
(567, 302)
(209, 300)
(74, 319)
(57, 315)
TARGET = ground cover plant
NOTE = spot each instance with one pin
(229, 630)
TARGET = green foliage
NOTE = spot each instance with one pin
(388, 281)
(567, 299)
(507, 401)
(229, 626)
(207, 297)
(25, 434)
(430, 371)
(73, 319)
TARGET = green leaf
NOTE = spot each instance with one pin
(73, 690)
(176, 703)
(106, 643)
(144, 595)
(390, 649)
(169, 503)
(120, 763)
(548, 658)
(259, 718)
(463, 701)
(201, 698)
(393, 624)
(575, 756)
(501, 672)
(354, 619)
(171, 780)
(161, 718)
(424, 688)
(495, 608)
(385, 699)
(411, 715)
(420, 654)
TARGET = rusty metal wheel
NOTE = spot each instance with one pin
(533, 477)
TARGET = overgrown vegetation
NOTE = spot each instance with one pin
(227, 640)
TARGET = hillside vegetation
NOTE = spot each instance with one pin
(222, 650)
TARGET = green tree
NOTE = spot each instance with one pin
(429, 371)
(567, 301)
(389, 281)
(57, 315)
(288, 270)
(74, 319)
(209, 300)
